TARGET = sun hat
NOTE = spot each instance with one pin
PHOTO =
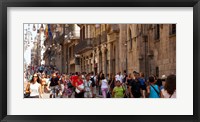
(163, 78)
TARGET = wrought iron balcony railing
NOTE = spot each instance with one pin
(84, 45)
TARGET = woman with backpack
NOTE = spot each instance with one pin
(128, 82)
(153, 89)
(104, 86)
(111, 82)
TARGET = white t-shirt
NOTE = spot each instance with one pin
(34, 88)
(119, 77)
(166, 95)
(104, 83)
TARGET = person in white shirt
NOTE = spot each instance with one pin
(169, 90)
(93, 79)
(34, 88)
(104, 86)
(119, 77)
(87, 87)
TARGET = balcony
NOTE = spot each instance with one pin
(83, 46)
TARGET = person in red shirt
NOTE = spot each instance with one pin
(79, 87)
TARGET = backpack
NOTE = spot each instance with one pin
(69, 84)
(93, 82)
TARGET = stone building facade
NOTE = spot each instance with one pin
(112, 48)
(152, 48)
(59, 48)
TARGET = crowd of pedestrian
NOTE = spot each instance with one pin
(48, 79)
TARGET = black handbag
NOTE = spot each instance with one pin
(26, 95)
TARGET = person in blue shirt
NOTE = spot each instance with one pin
(142, 84)
(153, 90)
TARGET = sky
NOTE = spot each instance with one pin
(27, 52)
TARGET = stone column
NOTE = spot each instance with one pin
(122, 47)
(109, 57)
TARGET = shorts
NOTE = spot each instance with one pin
(88, 94)
(54, 89)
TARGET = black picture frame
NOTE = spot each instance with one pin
(4, 4)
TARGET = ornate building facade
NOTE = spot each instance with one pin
(59, 47)
(112, 48)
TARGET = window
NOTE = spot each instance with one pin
(157, 71)
(130, 38)
(172, 29)
(77, 61)
(81, 34)
(157, 32)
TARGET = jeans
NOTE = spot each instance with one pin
(104, 92)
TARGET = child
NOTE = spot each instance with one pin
(118, 91)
